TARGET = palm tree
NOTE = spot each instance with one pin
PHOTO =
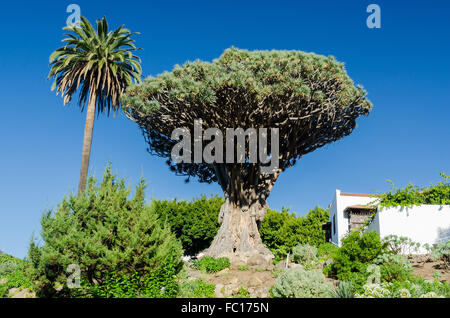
(102, 65)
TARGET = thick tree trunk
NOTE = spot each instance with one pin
(238, 237)
(87, 142)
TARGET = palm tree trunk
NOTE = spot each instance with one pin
(87, 142)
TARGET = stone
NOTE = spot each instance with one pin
(281, 265)
(22, 293)
(260, 262)
(230, 289)
(295, 266)
(186, 258)
(254, 281)
(3, 281)
(13, 291)
(219, 291)
(223, 271)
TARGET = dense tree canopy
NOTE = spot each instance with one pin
(308, 97)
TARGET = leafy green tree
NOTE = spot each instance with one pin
(100, 64)
(194, 223)
(308, 97)
(281, 231)
(358, 250)
(102, 231)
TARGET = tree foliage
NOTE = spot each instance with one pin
(102, 231)
(194, 222)
(101, 61)
(281, 231)
(309, 97)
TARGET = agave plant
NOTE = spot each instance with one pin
(100, 64)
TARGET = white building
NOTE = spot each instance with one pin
(423, 224)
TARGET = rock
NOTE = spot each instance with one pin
(59, 286)
(13, 291)
(194, 275)
(230, 289)
(219, 291)
(295, 266)
(258, 261)
(254, 281)
(22, 293)
(200, 255)
(3, 281)
(185, 258)
(281, 265)
(223, 271)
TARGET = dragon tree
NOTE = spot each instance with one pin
(309, 98)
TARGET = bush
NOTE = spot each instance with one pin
(416, 288)
(298, 283)
(103, 232)
(357, 252)
(208, 264)
(327, 250)
(281, 231)
(400, 245)
(156, 284)
(241, 293)
(18, 278)
(195, 223)
(442, 252)
(7, 267)
(302, 252)
(393, 267)
(15, 271)
(197, 289)
(344, 290)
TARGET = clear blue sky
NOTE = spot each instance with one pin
(404, 66)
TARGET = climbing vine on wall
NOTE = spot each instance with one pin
(412, 195)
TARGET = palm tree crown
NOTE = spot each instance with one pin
(101, 62)
(102, 65)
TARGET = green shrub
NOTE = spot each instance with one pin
(393, 267)
(298, 283)
(195, 223)
(375, 291)
(442, 252)
(160, 283)
(197, 289)
(18, 278)
(357, 252)
(344, 290)
(400, 245)
(417, 287)
(5, 258)
(208, 264)
(103, 232)
(327, 250)
(281, 231)
(7, 267)
(302, 252)
(241, 293)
